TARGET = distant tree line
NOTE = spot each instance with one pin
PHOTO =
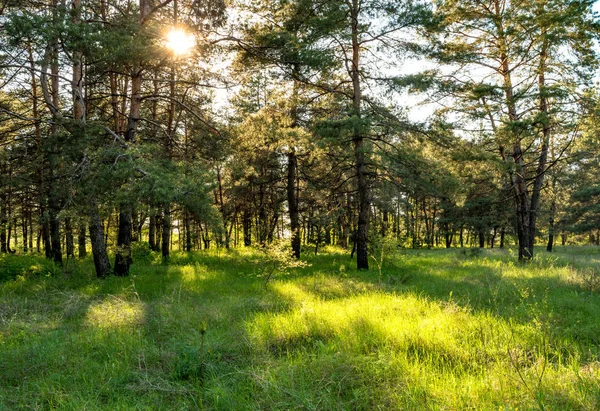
(288, 120)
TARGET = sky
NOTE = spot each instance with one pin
(416, 112)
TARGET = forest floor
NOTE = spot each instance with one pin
(445, 329)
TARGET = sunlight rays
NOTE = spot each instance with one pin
(180, 42)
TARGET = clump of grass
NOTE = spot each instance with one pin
(590, 278)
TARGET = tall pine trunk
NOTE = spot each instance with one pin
(52, 100)
(123, 256)
(292, 174)
(364, 202)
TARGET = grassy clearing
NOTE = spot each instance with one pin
(446, 330)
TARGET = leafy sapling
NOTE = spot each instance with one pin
(278, 258)
(382, 249)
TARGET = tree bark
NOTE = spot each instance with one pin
(188, 233)
(292, 166)
(101, 261)
(3, 224)
(54, 224)
(550, 244)
(24, 228)
(527, 203)
(81, 243)
(152, 233)
(69, 240)
(364, 201)
(123, 257)
(247, 227)
(166, 233)
(55, 252)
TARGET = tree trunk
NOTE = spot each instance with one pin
(69, 240)
(292, 176)
(538, 182)
(101, 261)
(24, 228)
(550, 244)
(81, 243)
(364, 201)
(292, 166)
(123, 257)
(152, 232)
(247, 227)
(262, 217)
(166, 233)
(448, 237)
(3, 225)
(40, 171)
(384, 223)
(188, 234)
(54, 251)
(517, 172)
(45, 234)
(30, 218)
(16, 234)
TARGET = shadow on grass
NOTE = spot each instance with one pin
(141, 334)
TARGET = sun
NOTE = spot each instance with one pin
(179, 41)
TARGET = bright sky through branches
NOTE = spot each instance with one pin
(179, 41)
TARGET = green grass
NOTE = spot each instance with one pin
(444, 331)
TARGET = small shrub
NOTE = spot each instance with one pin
(278, 258)
(140, 251)
(471, 252)
(13, 266)
(382, 248)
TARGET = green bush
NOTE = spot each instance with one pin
(13, 266)
(140, 251)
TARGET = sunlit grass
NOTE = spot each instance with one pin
(115, 313)
(445, 330)
(411, 341)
